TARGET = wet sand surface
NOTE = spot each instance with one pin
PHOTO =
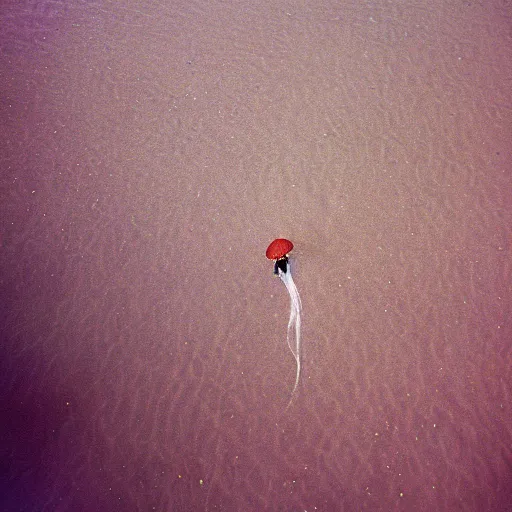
(151, 151)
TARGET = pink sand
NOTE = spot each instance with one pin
(151, 151)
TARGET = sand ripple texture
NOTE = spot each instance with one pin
(151, 151)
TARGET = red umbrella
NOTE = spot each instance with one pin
(279, 248)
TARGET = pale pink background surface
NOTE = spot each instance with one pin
(151, 150)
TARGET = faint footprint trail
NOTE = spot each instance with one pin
(278, 250)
